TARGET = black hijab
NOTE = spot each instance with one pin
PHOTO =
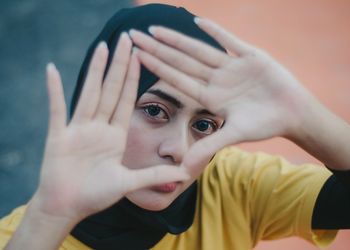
(125, 225)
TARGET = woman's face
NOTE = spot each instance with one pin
(164, 124)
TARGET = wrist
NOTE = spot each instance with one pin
(40, 230)
(43, 211)
(298, 104)
(322, 134)
(51, 209)
(307, 113)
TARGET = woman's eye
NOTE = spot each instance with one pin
(205, 126)
(155, 112)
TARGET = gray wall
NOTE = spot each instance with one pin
(33, 33)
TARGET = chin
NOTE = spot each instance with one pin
(151, 200)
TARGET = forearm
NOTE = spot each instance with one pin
(39, 230)
(323, 134)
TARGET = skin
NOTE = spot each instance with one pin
(168, 133)
(89, 164)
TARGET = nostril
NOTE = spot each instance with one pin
(170, 159)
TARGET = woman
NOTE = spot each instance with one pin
(138, 177)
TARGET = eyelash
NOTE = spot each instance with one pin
(146, 110)
(153, 105)
(212, 124)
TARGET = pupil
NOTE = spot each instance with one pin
(153, 110)
(202, 125)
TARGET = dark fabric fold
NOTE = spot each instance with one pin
(127, 226)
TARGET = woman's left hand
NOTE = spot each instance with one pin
(257, 96)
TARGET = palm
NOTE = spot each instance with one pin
(92, 156)
(95, 139)
(251, 93)
(255, 103)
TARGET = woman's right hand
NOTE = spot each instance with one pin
(82, 171)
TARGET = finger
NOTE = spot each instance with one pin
(90, 95)
(203, 150)
(113, 82)
(190, 46)
(225, 38)
(172, 76)
(57, 105)
(127, 100)
(171, 56)
(155, 176)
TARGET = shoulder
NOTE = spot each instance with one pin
(232, 161)
(274, 194)
(239, 171)
(9, 224)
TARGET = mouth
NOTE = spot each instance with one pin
(165, 188)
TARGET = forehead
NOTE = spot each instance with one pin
(184, 100)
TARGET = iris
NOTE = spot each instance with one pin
(202, 125)
(153, 110)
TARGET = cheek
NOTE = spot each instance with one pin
(141, 147)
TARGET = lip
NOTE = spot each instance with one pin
(165, 188)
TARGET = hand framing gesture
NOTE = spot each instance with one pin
(82, 171)
(256, 95)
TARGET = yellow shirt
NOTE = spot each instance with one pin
(242, 198)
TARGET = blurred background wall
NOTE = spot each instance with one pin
(311, 38)
(33, 33)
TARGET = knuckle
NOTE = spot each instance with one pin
(157, 50)
(120, 61)
(204, 72)
(177, 42)
(177, 61)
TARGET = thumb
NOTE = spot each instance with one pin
(203, 150)
(156, 175)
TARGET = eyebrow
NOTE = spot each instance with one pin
(204, 112)
(165, 96)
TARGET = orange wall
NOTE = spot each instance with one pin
(312, 39)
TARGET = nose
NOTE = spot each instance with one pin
(174, 146)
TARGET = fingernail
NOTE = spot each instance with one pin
(135, 49)
(50, 66)
(132, 32)
(123, 35)
(152, 29)
(102, 44)
(197, 19)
